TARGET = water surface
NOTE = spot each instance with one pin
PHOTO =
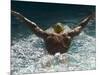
(28, 53)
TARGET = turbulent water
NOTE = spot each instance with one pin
(28, 55)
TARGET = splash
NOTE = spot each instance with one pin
(28, 55)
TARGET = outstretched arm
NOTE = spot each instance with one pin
(81, 26)
(38, 31)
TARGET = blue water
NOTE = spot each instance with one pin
(28, 53)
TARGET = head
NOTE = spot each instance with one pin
(58, 28)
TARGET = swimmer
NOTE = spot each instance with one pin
(58, 41)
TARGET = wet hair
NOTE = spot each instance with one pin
(58, 27)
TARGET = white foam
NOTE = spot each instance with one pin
(28, 56)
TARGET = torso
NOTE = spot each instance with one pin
(57, 43)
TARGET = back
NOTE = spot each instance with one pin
(57, 43)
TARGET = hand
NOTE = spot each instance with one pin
(92, 16)
(14, 13)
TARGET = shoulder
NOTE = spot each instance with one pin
(67, 35)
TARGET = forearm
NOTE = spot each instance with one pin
(38, 31)
(85, 21)
(81, 26)
(29, 23)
